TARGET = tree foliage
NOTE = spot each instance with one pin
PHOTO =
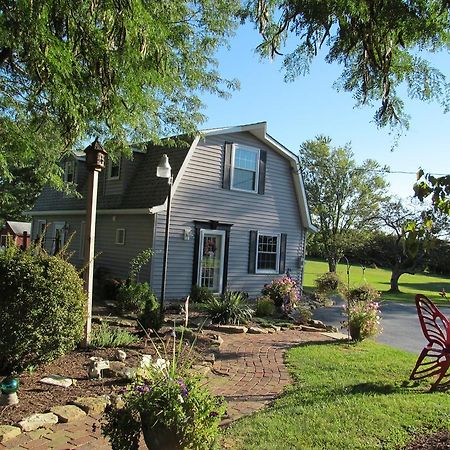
(408, 241)
(378, 42)
(125, 71)
(437, 189)
(344, 197)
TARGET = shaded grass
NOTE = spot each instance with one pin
(345, 396)
(410, 285)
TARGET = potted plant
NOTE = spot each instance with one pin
(363, 312)
(169, 405)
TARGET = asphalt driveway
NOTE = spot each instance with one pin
(400, 324)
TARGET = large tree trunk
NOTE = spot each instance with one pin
(395, 275)
(332, 263)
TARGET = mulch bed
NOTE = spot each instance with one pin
(436, 441)
(36, 397)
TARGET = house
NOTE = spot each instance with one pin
(18, 232)
(239, 216)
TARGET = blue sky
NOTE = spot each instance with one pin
(310, 106)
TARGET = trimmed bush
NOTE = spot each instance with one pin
(42, 305)
(151, 318)
(230, 308)
(200, 294)
(110, 288)
(301, 314)
(264, 307)
(132, 297)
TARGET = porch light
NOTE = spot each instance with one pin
(164, 170)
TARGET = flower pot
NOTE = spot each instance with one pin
(355, 332)
(158, 436)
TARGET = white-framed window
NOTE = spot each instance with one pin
(268, 253)
(245, 168)
(120, 236)
(114, 169)
(69, 171)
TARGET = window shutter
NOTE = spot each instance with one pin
(196, 256)
(283, 242)
(262, 171)
(252, 252)
(226, 181)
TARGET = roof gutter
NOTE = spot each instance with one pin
(82, 212)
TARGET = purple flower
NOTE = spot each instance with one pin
(142, 389)
(183, 388)
(213, 414)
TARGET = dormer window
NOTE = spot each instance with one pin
(114, 169)
(245, 169)
(69, 171)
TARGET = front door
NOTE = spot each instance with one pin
(211, 259)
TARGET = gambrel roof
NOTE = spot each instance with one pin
(146, 192)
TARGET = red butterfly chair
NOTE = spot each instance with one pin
(435, 357)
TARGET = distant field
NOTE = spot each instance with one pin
(410, 285)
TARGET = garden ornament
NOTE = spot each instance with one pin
(8, 389)
(95, 368)
(435, 356)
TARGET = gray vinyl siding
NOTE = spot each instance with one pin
(110, 192)
(200, 196)
(113, 257)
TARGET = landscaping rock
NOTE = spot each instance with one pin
(200, 369)
(68, 413)
(120, 355)
(57, 380)
(308, 328)
(115, 369)
(129, 373)
(216, 339)
(210, 358)
(92, 405)
(257, 330)
(234, 329)
(36, 421)
(317, 324)
(276, 328)
(8, 432)
(122, 323)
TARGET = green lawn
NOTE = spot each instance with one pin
(345, 396)
(410, 285)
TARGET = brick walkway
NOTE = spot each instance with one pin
(249, 373)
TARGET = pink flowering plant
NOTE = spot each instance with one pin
(165, 401)
(363, 312)
(284, 293)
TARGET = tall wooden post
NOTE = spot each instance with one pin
(95, 162)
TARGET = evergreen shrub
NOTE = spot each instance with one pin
(42, 308)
